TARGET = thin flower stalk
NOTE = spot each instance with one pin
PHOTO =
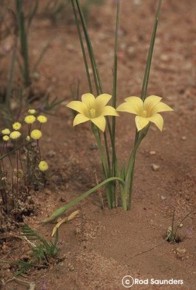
(126, 192)
(82, 47)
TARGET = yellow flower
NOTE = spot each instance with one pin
(43, 166)
(16, 126)
(42, 119)
(36, 134)
(15, 134)
(6, 138)
(5, 131)
(92, 109)
(32, 111)
(30, 119)
(146, 111)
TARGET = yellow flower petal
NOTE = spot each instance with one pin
(133, 105)
(109, 111)
(88, 99)
(79, 118)
(131, 98)
(100, 122)
(103, 99)
(76, 106)
(161, 107)
(141, 122)
(151, 101)
(157, 119)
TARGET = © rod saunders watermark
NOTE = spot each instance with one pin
(128, 281)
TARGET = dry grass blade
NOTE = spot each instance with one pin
(64, 220)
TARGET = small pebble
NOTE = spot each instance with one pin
(180, 253)
(164, 57)
(152, 152)
(155, 167)
(163, 197)
(71, 267)
(51, 153)
(183, 138)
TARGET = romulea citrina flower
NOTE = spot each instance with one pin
(6, 138)
(92, 109)
(36, 134)
(42, 119)
(5, 131)
(146, 111)
(15, 135)
(32, 111)
(16, 126)
(43, 165)
(29, 119)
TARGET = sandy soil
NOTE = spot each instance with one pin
(101, 246)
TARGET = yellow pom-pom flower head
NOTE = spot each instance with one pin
(32, 111)
(92, 109)
(6, 138)
(42, 119)
(43, 166)
(30, 119)
(16, 126)
(36, 134)
(15, 135)
(5, 131)
(146, 111)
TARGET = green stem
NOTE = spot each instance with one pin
(127, 190)
(14, 150)
(23, 42)
(104, 161)
(150, 53)
(57, 213)
(90, 50)
(114, 95)
(106, 168)
(82, 47)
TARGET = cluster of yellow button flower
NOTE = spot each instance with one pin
(95, 109)
(35, 134)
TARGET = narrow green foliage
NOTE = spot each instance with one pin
(60, 211)
(172, 231)
(23, 42)
(42, 250)
(150, 53)
(97, 79)
(82, 46)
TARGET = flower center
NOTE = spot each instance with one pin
(144, 113)
(92, 113)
